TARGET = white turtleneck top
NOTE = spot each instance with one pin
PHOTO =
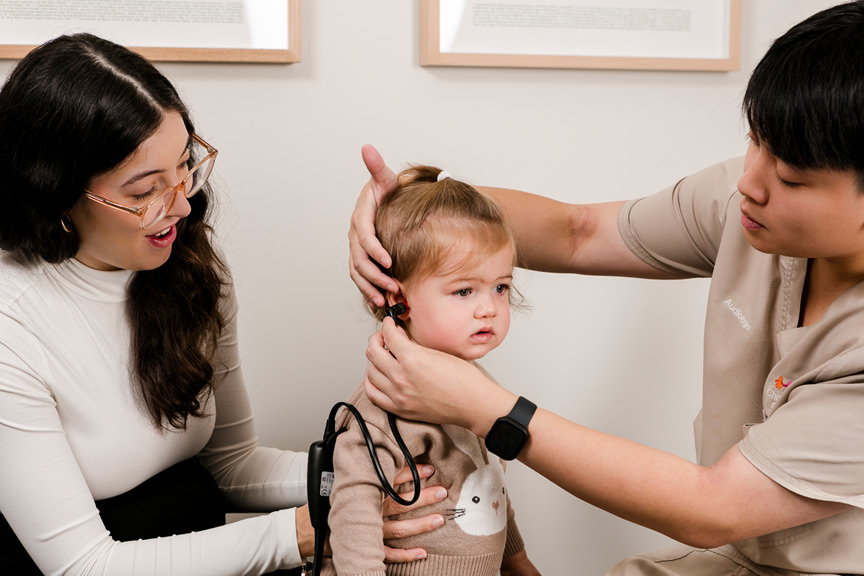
(72, 431)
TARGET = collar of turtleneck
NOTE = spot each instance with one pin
(98, 285)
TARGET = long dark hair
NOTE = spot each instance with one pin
(72, 109)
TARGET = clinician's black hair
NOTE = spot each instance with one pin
(75, 108)
(805, 99)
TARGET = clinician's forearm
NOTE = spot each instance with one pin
(552, 236)
(544, 228)
(637, 483)
(700, 506)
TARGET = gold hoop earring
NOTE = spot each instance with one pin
(66, 224)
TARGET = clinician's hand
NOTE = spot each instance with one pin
(363, 243)
(423, 384)
(405, 528)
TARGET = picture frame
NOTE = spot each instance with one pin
(262, 31)
(678, 35)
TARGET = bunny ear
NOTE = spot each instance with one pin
(468, 443)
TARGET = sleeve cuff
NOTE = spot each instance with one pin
(288, 534)
(514, 540)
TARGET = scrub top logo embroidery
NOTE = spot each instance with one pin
(774, 392)
(738, 314)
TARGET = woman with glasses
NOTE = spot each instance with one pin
(125, 427)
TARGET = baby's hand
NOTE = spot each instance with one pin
(518, 565)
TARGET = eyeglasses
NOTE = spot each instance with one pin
(156, 209)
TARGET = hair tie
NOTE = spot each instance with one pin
(442, 175)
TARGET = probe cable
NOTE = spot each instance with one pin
(320, 474)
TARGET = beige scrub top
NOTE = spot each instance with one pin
(791, 398)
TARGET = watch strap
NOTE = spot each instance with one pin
(523, 411)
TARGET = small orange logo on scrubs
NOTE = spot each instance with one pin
(779, 384)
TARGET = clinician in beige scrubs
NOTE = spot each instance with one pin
(779, 484)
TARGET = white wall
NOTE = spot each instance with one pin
(619, 355)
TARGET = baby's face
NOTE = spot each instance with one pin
(465, 312)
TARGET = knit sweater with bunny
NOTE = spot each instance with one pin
(479, 528)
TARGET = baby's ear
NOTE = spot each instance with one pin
(394, 298)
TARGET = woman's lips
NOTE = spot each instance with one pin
(163, 241)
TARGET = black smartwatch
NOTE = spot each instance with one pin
(509, 433)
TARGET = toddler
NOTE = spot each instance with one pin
(453, 258)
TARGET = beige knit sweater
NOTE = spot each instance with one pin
(479, 529)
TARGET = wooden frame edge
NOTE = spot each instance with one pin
(169, 54)
(431, 55)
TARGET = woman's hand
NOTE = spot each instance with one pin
(412, 527)
(392, 528)
(423, 384)
(364, 248)
(305, 532)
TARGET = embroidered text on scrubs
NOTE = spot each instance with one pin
(738, 314)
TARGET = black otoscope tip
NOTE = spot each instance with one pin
(397, 310)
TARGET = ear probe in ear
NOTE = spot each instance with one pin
(397, 310)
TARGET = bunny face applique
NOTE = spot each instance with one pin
(481, 509)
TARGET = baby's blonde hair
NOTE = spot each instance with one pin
(424, 221)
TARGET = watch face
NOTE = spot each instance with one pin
(506, 439)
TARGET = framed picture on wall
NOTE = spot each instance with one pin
(603, 34)
(162, 30)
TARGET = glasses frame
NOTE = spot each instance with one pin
(141, 210)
